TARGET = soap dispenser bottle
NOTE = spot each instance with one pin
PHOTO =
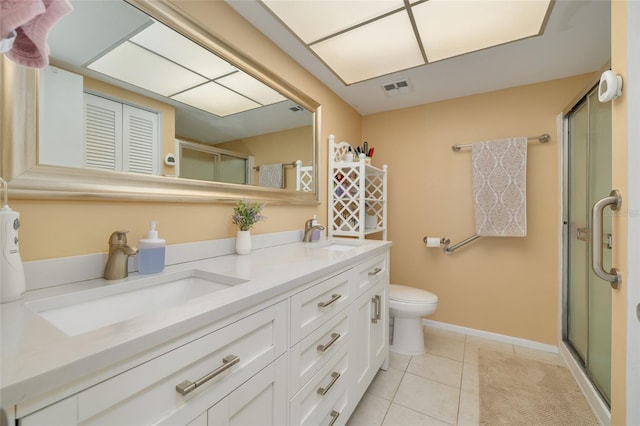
(151, 252)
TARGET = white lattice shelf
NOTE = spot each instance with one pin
(357, 194)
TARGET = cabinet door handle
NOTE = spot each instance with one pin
(334, 378)
(334, 416)
(377, 313)
(334, 338)
(187, 387)
(375, 272)
(334, 297)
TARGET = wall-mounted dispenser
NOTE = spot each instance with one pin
(12, 283)
(610, 86)
(170, 160)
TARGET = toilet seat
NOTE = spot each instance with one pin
(406, 294)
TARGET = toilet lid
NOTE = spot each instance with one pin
(411, 294)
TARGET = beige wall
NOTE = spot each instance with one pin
(620, 222)
(502, 285)
(65, 228)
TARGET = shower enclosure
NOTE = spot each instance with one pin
(587, 298)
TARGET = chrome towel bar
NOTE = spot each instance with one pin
(544, 138)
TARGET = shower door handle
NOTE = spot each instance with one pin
(613, 276)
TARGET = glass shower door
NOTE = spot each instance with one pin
(588, 310)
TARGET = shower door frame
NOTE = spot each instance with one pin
(571, 357)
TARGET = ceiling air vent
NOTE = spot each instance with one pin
(296, 108)
(395, 88)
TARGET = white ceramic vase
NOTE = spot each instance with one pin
(243, 242)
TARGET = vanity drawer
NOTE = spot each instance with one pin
(148, 393)
(312, 307)
(336, 415)
(370, 272)
(318, 397)
(310, 354)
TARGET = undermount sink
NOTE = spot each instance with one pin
(339, 247)
(89, 310)
(333, 245)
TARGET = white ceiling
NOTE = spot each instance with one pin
(576, 40)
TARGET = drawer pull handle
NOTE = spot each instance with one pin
(334, 416)
(334, 378)
(377, 302)
(375, 272)
(334, 297)
(187, 387)
(334, 338)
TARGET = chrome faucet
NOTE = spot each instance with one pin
(119, 252)
(308, 230)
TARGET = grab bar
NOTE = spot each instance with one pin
(450, 249)
(613, 276)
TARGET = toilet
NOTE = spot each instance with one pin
(407, 306)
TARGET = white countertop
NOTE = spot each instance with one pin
(38, 358)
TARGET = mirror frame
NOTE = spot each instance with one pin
(28, 179)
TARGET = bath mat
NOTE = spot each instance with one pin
(521, 391)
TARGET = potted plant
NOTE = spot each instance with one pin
(245, 215)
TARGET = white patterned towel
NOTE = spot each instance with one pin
(500, 187)
(271, 175)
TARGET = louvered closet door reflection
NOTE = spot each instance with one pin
(140, 150)
(103, 133)
(120, 137)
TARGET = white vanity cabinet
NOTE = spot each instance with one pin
(206, 370)
(303, 357)
(369, 344)
(339, 343)
(370, 316)
(262, 400)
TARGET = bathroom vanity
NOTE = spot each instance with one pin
(292, 334)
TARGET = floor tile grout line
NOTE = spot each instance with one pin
(396, 391)
(422, 414)
(464, 349)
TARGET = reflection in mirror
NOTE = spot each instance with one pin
(135, 91)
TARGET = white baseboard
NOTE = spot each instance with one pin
(598, 406)
(492, 336)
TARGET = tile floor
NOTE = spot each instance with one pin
(437, 388)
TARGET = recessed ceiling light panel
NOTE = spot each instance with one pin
(215, 99)
(137, 66)
(251, 88)
(171, 45)
(454, 27)
(380, 47)
(314, 20)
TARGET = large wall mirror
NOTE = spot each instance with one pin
(140, 102)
